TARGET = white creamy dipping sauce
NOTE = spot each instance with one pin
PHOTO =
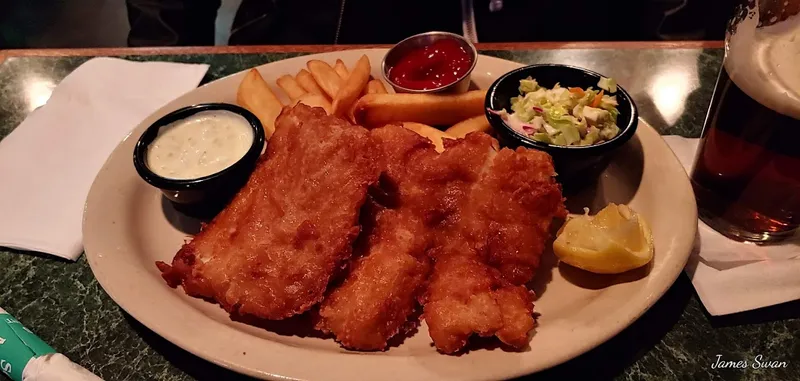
(200, 145)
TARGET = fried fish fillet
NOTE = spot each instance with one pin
(423, 190)
(376, 298)
(273, 250)
(490, 248)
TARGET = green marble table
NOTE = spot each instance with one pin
(675, 340)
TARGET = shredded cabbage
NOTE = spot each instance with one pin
(527, 85)
(607, 84)
(556, 116)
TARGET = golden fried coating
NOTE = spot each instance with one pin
(482, 216)
(419, 190)
(376, 298)
(490, 248)
(273, 250)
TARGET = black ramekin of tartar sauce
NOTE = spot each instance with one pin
(199, 156)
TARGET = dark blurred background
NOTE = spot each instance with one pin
(107, 23)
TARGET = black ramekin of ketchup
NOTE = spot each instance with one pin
(430, 62)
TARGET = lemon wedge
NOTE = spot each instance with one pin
(612, 242)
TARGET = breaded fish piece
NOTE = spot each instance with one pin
(490, 248)
(378, 295)
(375, 300)
(273, 250)
(517, 198)
(466, 296)
(420, 190)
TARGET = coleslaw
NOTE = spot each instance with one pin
(567, 116)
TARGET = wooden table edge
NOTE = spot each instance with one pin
(328, 48)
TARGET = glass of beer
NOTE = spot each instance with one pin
(746, 176)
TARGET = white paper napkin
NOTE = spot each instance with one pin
(732, 276)
(48, 163)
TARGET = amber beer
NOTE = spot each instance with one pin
(746, 176)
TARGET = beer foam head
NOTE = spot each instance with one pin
(762, 61)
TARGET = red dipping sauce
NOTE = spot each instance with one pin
(440, 64)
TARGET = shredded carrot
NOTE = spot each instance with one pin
(597, 99)
(576, 90)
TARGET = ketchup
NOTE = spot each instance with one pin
(436, 65)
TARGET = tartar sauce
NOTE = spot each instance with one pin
(200, 145)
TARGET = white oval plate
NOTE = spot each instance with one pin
(126, 230)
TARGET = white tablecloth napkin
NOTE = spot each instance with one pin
(48, 163)
(731, 276)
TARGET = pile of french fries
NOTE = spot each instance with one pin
(355, 95)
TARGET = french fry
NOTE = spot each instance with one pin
(464, 127)
(375, 110)
(351, 89)
(255, 95)
(290, 87)
(433, 134)
(325, 77)
(376, 86)
(314, 100)
(341, 70)
(306, 80)
(350, 117)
